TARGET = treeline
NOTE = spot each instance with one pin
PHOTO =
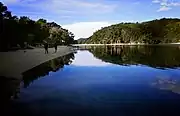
(23, 31)
(165, 30)
(81, 40)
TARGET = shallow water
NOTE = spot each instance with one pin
(103, 81)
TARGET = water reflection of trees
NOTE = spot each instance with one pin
(44, 69)
(154, 56)
(9, 88)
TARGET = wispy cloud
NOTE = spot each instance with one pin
(174, 4)
(76, 7)
(166, 5)
(10, 1)
(60, 7)
(136, 3)
(163, 8)
(156, 1)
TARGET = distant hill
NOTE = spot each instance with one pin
(166, 30)
(81, 40)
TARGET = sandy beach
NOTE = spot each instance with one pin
(14, 63)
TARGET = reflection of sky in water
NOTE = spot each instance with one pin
(89, 84)
(86, 73)
(85, 58)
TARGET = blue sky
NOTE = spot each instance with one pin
(83, 17)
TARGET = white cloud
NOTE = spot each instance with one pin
(76, 7)
(174, 4)
(60, 7)
(10, 1)
(163, 8)
(85, 29)
(136, 3)
(156, 1)
(166, 5)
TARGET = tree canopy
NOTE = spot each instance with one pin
(81, 40)
(16, 31)
(166, 30)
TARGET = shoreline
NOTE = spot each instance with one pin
(126, 44)
(14, 63)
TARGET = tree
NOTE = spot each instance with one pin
(18, 31)
(151, 32)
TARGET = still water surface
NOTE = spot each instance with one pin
(104, 81)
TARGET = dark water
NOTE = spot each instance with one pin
(102, 81)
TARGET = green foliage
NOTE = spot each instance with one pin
(18, 31)
(151, 32)
(81, 40)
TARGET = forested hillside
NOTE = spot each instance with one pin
(81, 40)
(17, 31)
(152, 32)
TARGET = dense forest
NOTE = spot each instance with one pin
(21, 31)
(165, 30)
(81, 40)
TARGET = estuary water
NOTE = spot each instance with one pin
(102, 81)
